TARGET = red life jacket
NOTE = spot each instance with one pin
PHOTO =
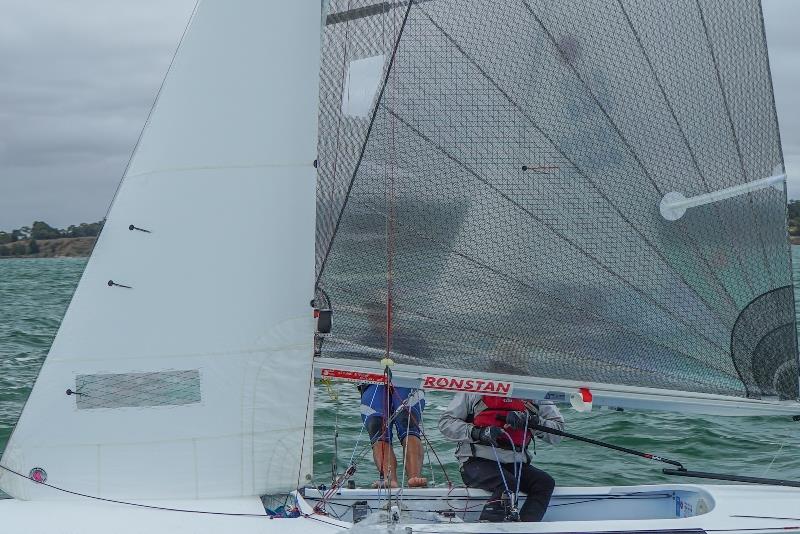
(495, 415)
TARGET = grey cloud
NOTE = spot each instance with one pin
(77, 80)
(781, 18)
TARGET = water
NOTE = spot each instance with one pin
(34, 294)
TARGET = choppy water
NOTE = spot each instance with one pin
(34, 294)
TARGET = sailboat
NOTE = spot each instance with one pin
(581, 202)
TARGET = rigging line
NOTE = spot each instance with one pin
(537, 292)
(635, 155)
(405, 459)
(566, 238)
(626, 450)
(689, 147)
(404, 404)
(386, 429)
(366, 142)
(774, 458)
(582, 174)
(363, 426)
(152, 107)
(427, 450)
(753, 212)
(305, 425)
(127, 503)
(516, 342)
(340, 115)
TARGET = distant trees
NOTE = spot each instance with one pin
(42, 230)
(23, 241)
(794, 217)
(84, 230)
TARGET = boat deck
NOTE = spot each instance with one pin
(654, 508)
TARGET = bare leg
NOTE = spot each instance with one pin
(413, 462)
(386, 462)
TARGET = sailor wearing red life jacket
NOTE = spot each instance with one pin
(493, 433)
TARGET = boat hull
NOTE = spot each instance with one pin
(653, 508)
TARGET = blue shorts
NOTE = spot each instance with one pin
(374, 413)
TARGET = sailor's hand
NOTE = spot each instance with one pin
(521, 420)
(533, 414)
(517, 420)
(486, 435)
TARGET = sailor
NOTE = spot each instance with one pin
(493, 434)
(384, 408)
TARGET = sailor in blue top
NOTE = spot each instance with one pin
(384, 409)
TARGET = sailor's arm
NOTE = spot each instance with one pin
(453, 422)
(551, 417)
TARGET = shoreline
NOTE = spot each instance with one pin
(81, 247)
(62, 247)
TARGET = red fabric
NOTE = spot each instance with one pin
(495, 415)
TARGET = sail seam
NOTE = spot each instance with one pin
(565, 238)
(525, 286)
(222, 167)
(689, 148)
(605, 197)
(644, 169)
(230, 354)
(726, 106)
(496, 336)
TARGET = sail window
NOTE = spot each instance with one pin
(361, 85)
(137, 390)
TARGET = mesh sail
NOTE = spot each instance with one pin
(490, 176)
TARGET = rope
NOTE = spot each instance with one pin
(500, 468)
(305, 424)
(374, 114)
(137, 505)
(403, 404)
(774, 458)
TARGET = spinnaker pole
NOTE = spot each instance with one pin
(681, 470)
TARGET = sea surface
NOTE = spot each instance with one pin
(34, 294)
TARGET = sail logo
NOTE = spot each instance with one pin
(467, 385)
(353, 376)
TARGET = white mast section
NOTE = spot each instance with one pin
(674, 205)
(191, 372)
(611, 395)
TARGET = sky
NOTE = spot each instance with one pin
(78, 78)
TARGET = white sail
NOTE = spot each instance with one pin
(498, 210)
(193, 381)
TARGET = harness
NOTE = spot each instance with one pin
(492, 411)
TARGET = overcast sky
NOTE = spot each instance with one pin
(78, 77)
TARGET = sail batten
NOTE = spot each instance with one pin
(508, 185)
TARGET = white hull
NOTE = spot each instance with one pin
(666, 507)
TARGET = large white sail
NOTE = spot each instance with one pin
(503, 198)
(187, 346)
